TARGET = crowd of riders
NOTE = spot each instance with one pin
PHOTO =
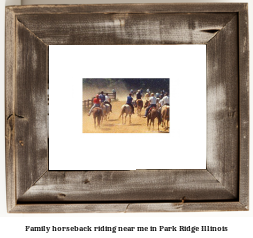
(160, 99)
(100, 99)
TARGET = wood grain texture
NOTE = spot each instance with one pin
(129, 8)
(139, 185)
(244, 106)
(129, 207)
(222, 107)
(9, 108)
(30, 108)
(223, 186)
(118, 29)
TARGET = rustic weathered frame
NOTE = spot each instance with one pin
(222, 186)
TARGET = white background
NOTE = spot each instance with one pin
(240, 223)
(183, 148)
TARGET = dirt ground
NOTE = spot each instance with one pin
(114, 123)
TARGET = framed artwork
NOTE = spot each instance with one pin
(33, 188)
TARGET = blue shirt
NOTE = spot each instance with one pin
(129, 100)
(102, 97)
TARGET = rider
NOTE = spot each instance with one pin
(141, 91)
(102, 96)
(96, 102)
(129, 102)
(166, 99)
(162, 93)
(152, 101)
(138, 94)
(107, 101)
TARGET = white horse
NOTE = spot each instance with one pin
(106, 111)
(127, 110)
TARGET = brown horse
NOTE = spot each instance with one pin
(97, 116)
(166, 115)
(139, 105)
(152, 114)
(146, 104)
(126, 109)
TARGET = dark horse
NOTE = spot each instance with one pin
(152, 114)
(139, 105)
(97, 116)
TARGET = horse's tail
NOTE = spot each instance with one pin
(122, 111)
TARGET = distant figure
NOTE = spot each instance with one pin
(129, 102)
(152, 101)
(108, 101)
(102, 96)
(157, 95)
(96, 102)
(114, 91)
(147, 96)
(131, 91)
(166, 99)
(138, 95)
(138, 103)
(162, 93)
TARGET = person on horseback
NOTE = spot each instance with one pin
(102, 96)
(138, 95)
(152, 101)
(96, 102)
(164, 101)
(141, 91)
(162, 93)
(129, 102)
(108, 101)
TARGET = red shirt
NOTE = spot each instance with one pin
(96, 100)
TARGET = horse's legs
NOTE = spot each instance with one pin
(94, 121)
(129, 118)
(98, 120)
(125, 118)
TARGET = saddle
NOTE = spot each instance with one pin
(150, 109)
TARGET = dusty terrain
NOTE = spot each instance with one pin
(114, 123)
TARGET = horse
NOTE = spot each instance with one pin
(128, 111)
(152, 114)
(106, 110)
(97, 116)
(139, 105)
(146, 104)
(166, 115)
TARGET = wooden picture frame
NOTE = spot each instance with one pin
(222, 186)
